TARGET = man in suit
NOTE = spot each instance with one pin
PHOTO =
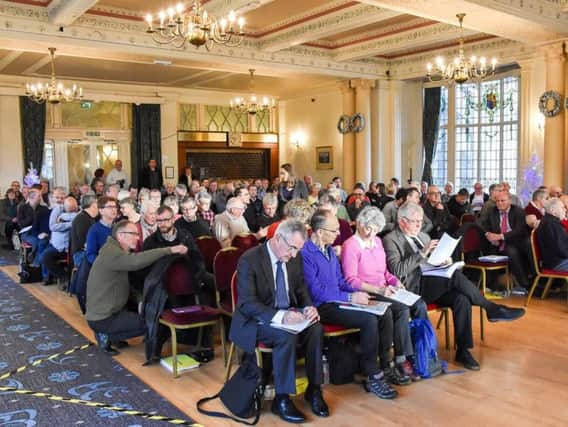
(407, 248)
(552, 237)
(506, 230)
(271, 289)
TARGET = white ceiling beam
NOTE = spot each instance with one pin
(190, 77)
(37, 65)
(220, 8)
(325, 26)
(9, 58)
(479, 18)
(410, 39)
(65, 12)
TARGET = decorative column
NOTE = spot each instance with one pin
(169, 124)
(528, 116)
(363, 138)
(390, 146)
(554, 131)
(348, 95)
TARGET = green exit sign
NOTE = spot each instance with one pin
(86, 105)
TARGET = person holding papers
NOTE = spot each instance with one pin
(329, 289)
(271, 291)
(407, 249)
(364, 265)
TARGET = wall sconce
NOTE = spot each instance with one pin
(297, 140)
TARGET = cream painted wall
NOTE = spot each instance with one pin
(313, 118)
(411, 131)
(11, 156)
(169, 123)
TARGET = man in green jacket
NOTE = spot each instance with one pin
(108, 288)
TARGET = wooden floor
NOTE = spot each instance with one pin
(523, 379)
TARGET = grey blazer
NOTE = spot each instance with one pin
(402, 261)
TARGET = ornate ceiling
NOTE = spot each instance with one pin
(293, 44)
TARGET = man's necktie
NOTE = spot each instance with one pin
(282, 301)
(504, 229)
(418, 243)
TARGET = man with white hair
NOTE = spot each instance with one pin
(231, 222)
(407, 248)
(552, 237)
(118, 176)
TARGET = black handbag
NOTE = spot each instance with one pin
(241, 394)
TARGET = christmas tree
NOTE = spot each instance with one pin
(532, 178)
(31, 177)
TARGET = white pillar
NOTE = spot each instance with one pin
(363, 138)
(390, 146)
(348, 95)
(169, 123)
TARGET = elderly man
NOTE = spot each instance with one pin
(232, 222)
(269, 214)
(108, 287)
(552, 237)
(403, 195)
(448, 192)
(534, 210)
(438, 213)
(407, 248)
(190, 222)
(506, 230)
(327, 287)
(272, 290)
(118, 176)
(203, 200)
(60, 222)
(555, 191)
(478, 198)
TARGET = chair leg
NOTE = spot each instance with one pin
(222, 332)
(442, 313)
(531, 292)
(258, 358)
(174, 351)
(199, 338)
(447, 327)
(483, 281)
(508, 282)
(481, 325)
(546, 288)
(229, 362)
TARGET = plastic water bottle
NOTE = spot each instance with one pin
(325, 369)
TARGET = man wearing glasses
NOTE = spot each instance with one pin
(438, 213)
(271, 289)
(101, 230)
(407, 248)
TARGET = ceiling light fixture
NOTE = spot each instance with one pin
(461, 69)
(251, 105)
(53, 92)
(175, 26)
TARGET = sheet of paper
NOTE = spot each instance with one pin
(447, 272)
(405, 297)
(444, 250)
(377, 308)
(293, 328)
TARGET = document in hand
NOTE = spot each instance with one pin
(404, 297)
(444, 271)
(377, 308)
(293, 328)
(444, 250)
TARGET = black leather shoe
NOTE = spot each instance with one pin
(104, 344)
(501, 313)
(314, 397)
(285, 409)
(466, 359)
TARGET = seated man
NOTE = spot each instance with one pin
(101, 230)
(60, 221)
(534, 210)
(406, 249)
(108, 288)
(203, 200)
(458, 205)
(189, 220)
(552, 238)
(232, 222)
(438, 213)
(327, 286)
(506, 230)
(478, 198)
(271, 288)
(80, 227)
(269, 214)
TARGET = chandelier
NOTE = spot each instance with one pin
(53, 92)
(252, 105)
(461, 69)
(176, 26)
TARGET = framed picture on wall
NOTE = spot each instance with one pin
(170, 172)
(324, 157)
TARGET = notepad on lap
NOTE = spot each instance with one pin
(377, 308)
(184, 363)
(293, 328)
(447, 272)
(404, 297)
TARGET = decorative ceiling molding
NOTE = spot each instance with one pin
(383, 45)
(65, 12)
(223, 7)
(325, 26)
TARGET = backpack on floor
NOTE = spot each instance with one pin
(427, 364)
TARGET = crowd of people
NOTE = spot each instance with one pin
(319, 246)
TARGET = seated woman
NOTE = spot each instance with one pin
(364, 265)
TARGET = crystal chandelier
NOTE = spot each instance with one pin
(460, 70)
(252, 105)
(53, 92)
(176, 26)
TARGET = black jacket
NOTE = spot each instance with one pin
(151, 179)
(552, 241)
(516, 219)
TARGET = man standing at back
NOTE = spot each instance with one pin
(118, 176)
(271, 289)
(151, 176)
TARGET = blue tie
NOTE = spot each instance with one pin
(281, 294)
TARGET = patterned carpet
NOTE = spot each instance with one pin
(28, 332)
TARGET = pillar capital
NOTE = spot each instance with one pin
(345, 86)
(359, 84)
(555, 52)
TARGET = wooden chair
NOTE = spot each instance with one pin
(244, 241)
(208, 246)
(179, 282)
(467, 218)
(542, 272)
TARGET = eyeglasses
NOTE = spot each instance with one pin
(414, 221)
(110, 207)
(132, 233)
(291, 248)
(334, 231)
(164, 219)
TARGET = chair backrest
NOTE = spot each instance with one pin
(224, 265)
(244, 241)
(471, 240)
(535, 251)
(466, 218)
(234, 293)
(208, 246)
(179, 280)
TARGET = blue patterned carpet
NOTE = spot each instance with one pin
(29, 331)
